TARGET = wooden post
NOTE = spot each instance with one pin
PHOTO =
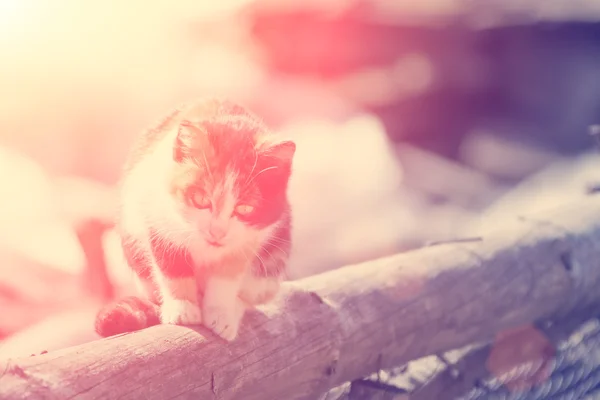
(344, 324)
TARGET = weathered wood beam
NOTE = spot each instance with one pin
(345, 324)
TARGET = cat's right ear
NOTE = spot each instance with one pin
(183, 142)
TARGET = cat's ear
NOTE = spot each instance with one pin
(183, 142)
(283, 152)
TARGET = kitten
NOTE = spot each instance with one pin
(204, 220)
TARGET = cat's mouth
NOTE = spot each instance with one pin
(214, 243)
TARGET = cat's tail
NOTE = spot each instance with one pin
(126, 315)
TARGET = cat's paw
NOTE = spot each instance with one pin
(223, 320)
(180, 312)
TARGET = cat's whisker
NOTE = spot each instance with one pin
(245, 254)
(277, 247)
(278, 240)
(263, 265)
(206, 165)
(254, 255)
(165, 231)
(253, 167)
(260, 172)
(164, 235)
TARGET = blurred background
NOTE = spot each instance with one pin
(415, 122)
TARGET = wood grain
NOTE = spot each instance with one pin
(345, 324)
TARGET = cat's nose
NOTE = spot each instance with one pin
(217, 231)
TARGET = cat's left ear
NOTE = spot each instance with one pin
(283, 152)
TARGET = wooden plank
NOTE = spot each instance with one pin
(345, 324)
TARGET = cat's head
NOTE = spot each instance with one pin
(230, 180)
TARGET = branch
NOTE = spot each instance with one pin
(344, 324)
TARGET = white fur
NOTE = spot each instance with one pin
(143, 286)
(180, 312)
(256, 290)
(223, 310)
(180, 288)
(147, 201)
(145, 196)
(179, 300)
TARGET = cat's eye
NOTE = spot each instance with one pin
(243, 209)
(199, 199)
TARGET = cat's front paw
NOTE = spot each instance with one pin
(223, 320)
(180, 312)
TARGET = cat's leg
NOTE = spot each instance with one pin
(179, 301)
(256, 290)
(226, 299)
(164, 277)
(262, 282)
(176, 285)
(222, 309)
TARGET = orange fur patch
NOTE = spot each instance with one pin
(230, 266)
(183, 177)
(264, 297)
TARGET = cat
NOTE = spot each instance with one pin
(204, 219)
